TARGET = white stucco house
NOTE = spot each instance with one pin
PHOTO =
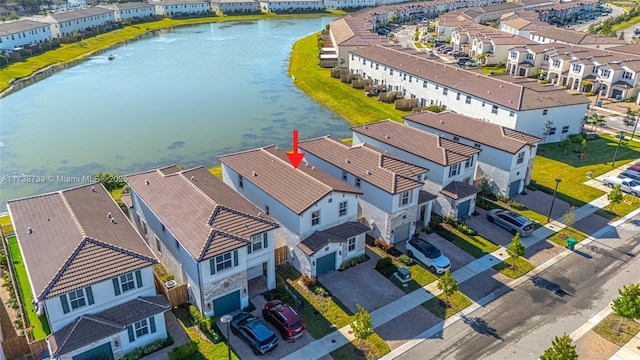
(506, 159)
(277, 6)
(90, 273)
(517, 103)
(317, 212)
(235, 6)
(65, 23)
(23, 32)
(206, 235)
(131, 10)
(451, 164)
(392, 202)
(173, 8)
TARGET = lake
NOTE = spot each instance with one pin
(183, 96)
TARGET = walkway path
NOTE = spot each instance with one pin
(396, 308)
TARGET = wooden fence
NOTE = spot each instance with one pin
(281, 255)
(177, 295)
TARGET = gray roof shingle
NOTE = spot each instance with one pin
(338, 233)
(458, 190)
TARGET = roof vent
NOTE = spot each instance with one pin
(477, 75)
(501, 86)
(193, 178)
(442, 122)
(368, 172)
(510, 101)
(313, 168)
(259, 214)
(276, 148)
(113, 221)
(254, 173)
(348, 161)
(146, 181)
(489, 92)
(29, 230)
(388, 137)
(110, 215)
(93, 189)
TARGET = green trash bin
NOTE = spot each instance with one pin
(571, 243)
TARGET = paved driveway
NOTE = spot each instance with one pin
(363, 285)
(540, 202)
(492, 232)
(459, 258)
(283, 349)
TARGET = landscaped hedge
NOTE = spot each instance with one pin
(353, 262)
(149, 349)
(206, 324)
(386, 267)
(184, 351)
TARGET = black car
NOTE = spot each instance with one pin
(256, 334)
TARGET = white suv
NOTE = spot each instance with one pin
(428, 255)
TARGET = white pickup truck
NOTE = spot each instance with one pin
(626, 185)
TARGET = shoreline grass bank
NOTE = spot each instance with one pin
(83, 49)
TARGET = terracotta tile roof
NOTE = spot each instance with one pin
(368, 164)
(424, 197)
(269, 169)
(486, 133)
(338, 233)
(204, 214)
(458, 190)
(568, 36)
(88, 329)
(341, 31)
(80, 230)
(517, 23)
(633, 49)
(420, 143)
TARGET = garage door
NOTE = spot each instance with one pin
(514, 187)
(401, 233)
(102, 352)
(325, 264)
(227, 304)
(254, 272)
(463, 208)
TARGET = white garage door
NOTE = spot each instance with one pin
(254, 272)
(401, 233)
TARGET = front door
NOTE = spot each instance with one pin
(463, 208)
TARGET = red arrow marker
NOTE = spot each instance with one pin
(295, 157)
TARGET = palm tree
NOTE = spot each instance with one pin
(629, 120)
(597, 120)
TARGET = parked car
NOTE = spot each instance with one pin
(463, 60)
(256, 334)
(511, 221)
(428, 254)
(469, 64)
(627, 185)
(283, 317)
(634, 175)
(635, 167)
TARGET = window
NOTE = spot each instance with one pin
(468, 100)
(330, 200)
(458, 96)
(455, 138)
(565, 129)
(126, 282)
(344, 175)
(240, 181)
(266, 209)
(468, 163)
(529, 56)
(577, 67)
(141, 328)
(520, 158)
(556, 63)
(552, 131)
(437, 87)
(424, 84)
(376, 66)
(76, 299)
(514, 55)
(483, 104)
(454, 170)
(390, 71)
(545, 112)
(410, 78)
(223, 261)
(445, 91)
(476, 145)
(343, 208)
(494, 109)
(627, 75)
(357, 182)
(315, 218)
(158, 247)
(404, 198)
(511, 113)
(177, 245)
(605, 73)
(258, 242)
(351, 244)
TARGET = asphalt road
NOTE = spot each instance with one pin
(521, 324)
(616, 11)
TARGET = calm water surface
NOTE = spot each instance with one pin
(184, 96)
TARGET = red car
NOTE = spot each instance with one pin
(283, 317)
(635, 167)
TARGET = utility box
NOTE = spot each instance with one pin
(403, 274)
(571, 243)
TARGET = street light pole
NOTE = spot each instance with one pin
(613, 163)
(553, 199)
(635, 126)
(226, 319)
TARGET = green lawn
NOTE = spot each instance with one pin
(559, 238)
(608, 329)
(317, 83)
(476, 246)
(67, 52)
(551, 163)
(207, 349)
(39, 324)
(522, 267)
(625, 24)
(6, 225)
(418, 45)
(493, 70)
(459, 301)
(419, 275)
(374, 348)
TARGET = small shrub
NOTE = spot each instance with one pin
(517, 206)
(466, 230)
(319, 290)
(148, 349)
(589, 93)
(167, 277)
(386, 267)
(503, 198)
(383, 245)
(449, 220)
(308, 281)
(405, 259)
(184, 351)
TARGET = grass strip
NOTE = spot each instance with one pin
(522, 267)
(436, 306)
(373, 347)
(608, 329)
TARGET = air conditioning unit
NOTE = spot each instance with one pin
(171, 283)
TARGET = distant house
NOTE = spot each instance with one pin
(317, 212)
(206, 235)
(90, 271)
(172, 8)
(235, 6)
(392, 202)
(65, 23)
(506, 160)
(290, 5)
(131, 10)
(19, 33)
(451, 164)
